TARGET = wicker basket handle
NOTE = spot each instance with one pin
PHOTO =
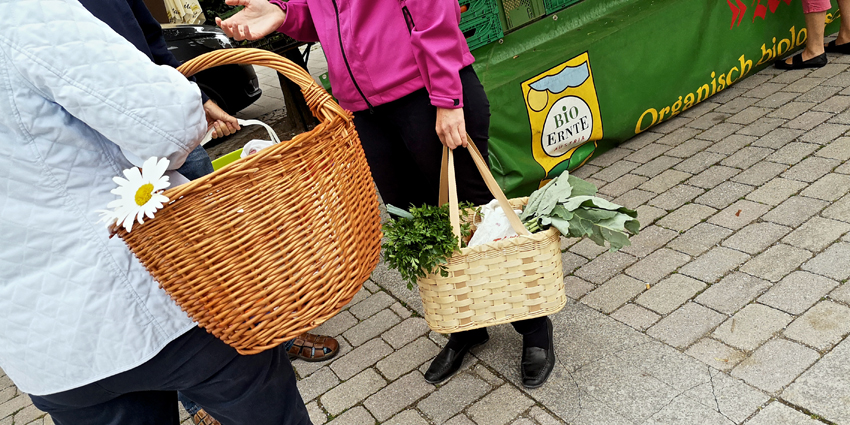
(448, 189)
(320, 102)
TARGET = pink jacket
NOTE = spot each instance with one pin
(381, 50)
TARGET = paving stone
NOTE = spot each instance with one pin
(724, 194)
(676, 197)
(795, 110)
(8, 393)
(355, 416)
(686, 217)
(839, 149)
(732, 99)
(615, 171)
(28, 415)
(576, 288)
(460, 420)
(633, 198)
(795, 210)
(713, 176)
(793, 152)
(657, 265)
(749, 115)
(351, 392)
(305, 369)
(775, 364)
(500, 406)
(400, 310)
(371, 327)
(834, 104)
(671, 124)
(407, 417)
(842, 118)
(829, 188)
(336, 325)
(670, 293)
(810, 169)
(765, 90)
(316, 384)
(714, 264)
(622, 185)
(817, 233)
(375, 303)
(751, 326)
(756, 237)
(604, 267)
(797, 292)
(665, 181)
(791, 76)
(819, 94)
(702, 108)
(542, 417)
(679, 136)
(614, 293)
(648, 215)
(844, 168)
(689, 147)
(405, 332)
(776, 262)
(699, 239)
(842, 294)
(733, 398)
(12, 406)
(823, 326)
(317, 415)
(656, 166)
(732, 144)
(359, 296)
(777, 99)
(716, 354)
(776, 191)
(360, 358)
(648, 152)
(699, 162)
(587, 170)
(762, 127)
(453, 397)
(828, 71)
(778, 138)
(777, 413)
(746, 157)
(824, 133)
(610, 157)
(648, 240)
(708, 120)
(732, 293)
(760, 173)
(832, 262)
(808, 120)
(371, 286)
(636, 316)
(487, 375)
(685, 411)
(739, 214)
(640, 141)
(825, 388)
(685, 325)
(407, 359)
(588, 249)
(397, 396)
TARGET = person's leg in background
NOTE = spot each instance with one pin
(197, 164)
(813, 56)
(842, 40)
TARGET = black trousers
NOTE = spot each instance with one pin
(236, 390)
(404, 153)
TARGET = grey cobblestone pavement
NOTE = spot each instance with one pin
(731, 307)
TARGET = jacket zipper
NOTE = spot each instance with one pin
(345, 59)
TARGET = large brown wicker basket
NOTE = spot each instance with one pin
(274, 244)
(497, 282)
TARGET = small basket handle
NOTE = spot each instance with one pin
(320, 102)
(448, 189)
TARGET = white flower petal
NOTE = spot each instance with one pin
(120, 181)
(128, 222)
(162, 183)
(133, 175)
(158, 197)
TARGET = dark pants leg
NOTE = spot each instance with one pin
(197, 164)
(237, 390)
(404, 152)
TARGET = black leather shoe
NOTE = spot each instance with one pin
(537, 363)
(797, 62)
(448, 362)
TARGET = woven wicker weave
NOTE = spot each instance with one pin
(498, 282)
(276, 243)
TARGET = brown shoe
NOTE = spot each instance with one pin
(203, 418)
(313, 348)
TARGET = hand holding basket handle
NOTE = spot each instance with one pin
(271, 245)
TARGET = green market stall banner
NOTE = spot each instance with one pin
(576, 83)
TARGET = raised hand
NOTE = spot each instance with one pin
(258, 19)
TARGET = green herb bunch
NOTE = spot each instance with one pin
(419, 242)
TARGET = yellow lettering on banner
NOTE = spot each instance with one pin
(689, 101)
(805, 33)
(663, 112)
(677, 106)
(729, 80)
(722, 82)
(639, 129)
(700, 95)
(766, 55)
(746, 67)
(713, 84)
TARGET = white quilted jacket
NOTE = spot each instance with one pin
(76, 306)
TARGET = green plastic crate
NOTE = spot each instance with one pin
(226, 159)
(516, 13)
(482, 31)
(477, 9)
(556, 5)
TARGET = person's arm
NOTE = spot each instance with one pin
(260, 18)
(104, 81)
(437, 47)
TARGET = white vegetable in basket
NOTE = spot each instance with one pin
(495, 225)
(139, 194)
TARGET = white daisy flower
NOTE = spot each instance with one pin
(139, 194)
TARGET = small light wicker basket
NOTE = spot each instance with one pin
(276, 243)
(498, 282)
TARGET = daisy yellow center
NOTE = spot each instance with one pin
(144, 194)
